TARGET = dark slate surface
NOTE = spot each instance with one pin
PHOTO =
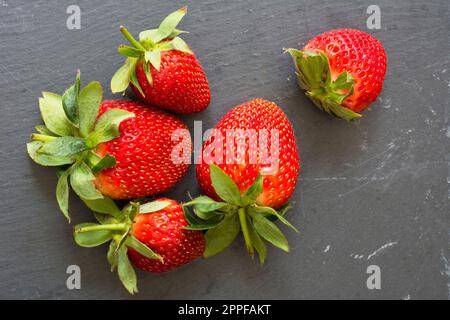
(372, 192)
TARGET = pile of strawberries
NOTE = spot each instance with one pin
(128, 150)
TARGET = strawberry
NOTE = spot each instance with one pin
(342, 71)
(144, 165)
(162, 69)
(119, 149)
(162, 231)
(150, 236)
(243, 185)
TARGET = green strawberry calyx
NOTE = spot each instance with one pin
(114, 226)
(237, 211)
(314, 76)
(148, 49)
(69, 138)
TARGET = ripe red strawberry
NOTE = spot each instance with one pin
(257, 114)
(162, 232)
(119, 149)
(143, 150)
(250, 166)
(150, 236)
(162, 69)
(342, 71)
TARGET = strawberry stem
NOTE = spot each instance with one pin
(131, 39)
(42, 137)
(111, 227)
(245, 231)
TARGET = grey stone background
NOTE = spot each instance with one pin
(375, 191)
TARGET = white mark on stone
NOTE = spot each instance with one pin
(446, 270)
(428, 195)
(407, 297)
(327, 249)
(381, 249)
(357, 256)
(387, 104)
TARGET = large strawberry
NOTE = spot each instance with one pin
(342, 71)
(119, 149)
(162, 69)
(146, 162)
(248, 168)
(150, 235)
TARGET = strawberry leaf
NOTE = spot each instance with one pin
(91, 238)
(42, 129)
(89, 101)
(206, 215)
(188, 216)
(104, 205)
(106, 162)
(179, 45)
(81, 180)
(168, 25)
(107, 126)
(206, 204)
(125, 270)
(104, 218)
(63, 147)
(267, 211)
(121, 79)
(257, 243)
(44, 159)
(211, 223)
(254, 190)
(153, 57)
(153, 206)
(135, 82)
(53, 114)
(269, 231)
(69, 100)
(220, 237)
(149, 35)
(112, 255)
(62, 193)
(148, 73)
(130, 51)
(224, 186)
(140, 247)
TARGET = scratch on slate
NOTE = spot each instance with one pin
(381, 249)
(354, 189)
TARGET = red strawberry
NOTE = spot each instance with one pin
(144, 165)
(162, 69)
(119, 149)
(244, 187)
(162, 232)
(342, 71)
(150, 236)
(258, 114)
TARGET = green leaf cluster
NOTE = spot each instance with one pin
(148, 51)
(114, 226)
(314, 76)
(223, 220)
(69, 137)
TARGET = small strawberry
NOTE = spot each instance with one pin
(151, 236)
(249, 168)
(342, 71)
(119, 149)
(162, 69)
